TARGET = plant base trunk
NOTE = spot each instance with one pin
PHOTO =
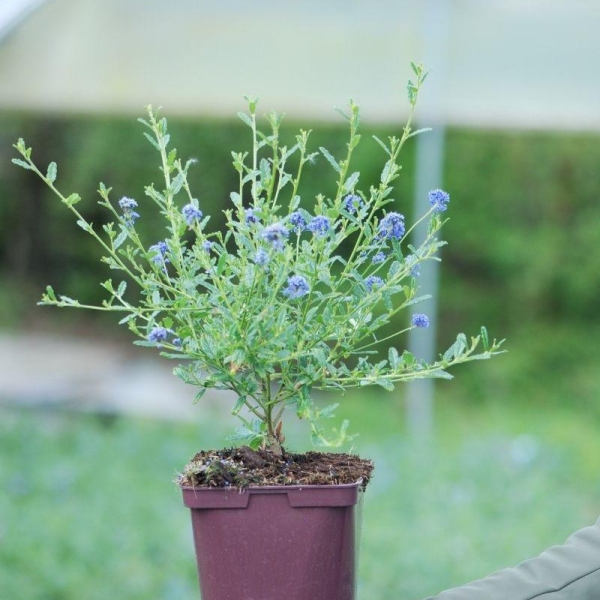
(276, 543)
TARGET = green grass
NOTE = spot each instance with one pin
(89, 511)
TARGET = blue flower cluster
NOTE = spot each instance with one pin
(191, 213)
(297, 221)
(373, 281)
(276, 235)
(439, 200)
(391, 226)
(251, 218)
(352, 203)
(420, 320)
(261, 257)
(158, 335)
(379, 258)
(319, 225)
(129, 215)
(207, 245)
(297, 286)
(159, 250)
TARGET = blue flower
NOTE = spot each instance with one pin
(159, 251)
(177, 343)
(129, 215)
(297, 221)
(373, 281)
(297, 287)
(191, 213)
(439, 200)
(127, 203)
(319, 225)
(420, 320)
(391, 226)
(251, 217)
(275, 234)
(353, 203)
(379, 258)
(158, 334)
(207, 245)
(261, 257)
(413, 265)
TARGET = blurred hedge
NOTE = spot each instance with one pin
(523, 236)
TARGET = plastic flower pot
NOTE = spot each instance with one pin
(276, 542)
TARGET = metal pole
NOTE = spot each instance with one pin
(429, 174)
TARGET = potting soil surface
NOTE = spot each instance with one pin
(243, 467)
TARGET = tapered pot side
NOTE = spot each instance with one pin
(276, 542)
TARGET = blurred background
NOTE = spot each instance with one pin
(503, 463)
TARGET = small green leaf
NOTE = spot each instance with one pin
(244, 117)
(408, 358)
(120, 238)
(330, 159)
(22, 163)
(238, 405)
(199, 395)
(394, 358)
(72, 199)
(121, 289)
(386, 149)
(177, 183)
(351, 182)
(50, 293)
(384, 383)
(152, 140)
(485, 339)
(52, 172)
(127, 319)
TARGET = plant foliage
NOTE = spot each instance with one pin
(272, 307)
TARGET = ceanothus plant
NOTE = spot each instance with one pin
(271, 308)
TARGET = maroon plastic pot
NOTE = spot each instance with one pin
(276, 543)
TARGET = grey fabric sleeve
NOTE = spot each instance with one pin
(567, 572)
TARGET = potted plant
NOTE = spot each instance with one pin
(289, 298)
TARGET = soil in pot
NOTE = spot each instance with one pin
(244, 467)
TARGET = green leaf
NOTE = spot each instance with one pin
(394, 358)
(84, 225)
(330, 159)
(52, 172)
(199, 395)
(246, 119)
(485, 339)
(419, 131)
(387, 170)
(384, 383)
(152, 140)
(238, 405)
(177, 183)
(72, 199)
(120, 238)
(386, 149)
(351, 182)
(127, 319)
(408, 358)
(121, 289)
(22, 163)
(50, 293)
